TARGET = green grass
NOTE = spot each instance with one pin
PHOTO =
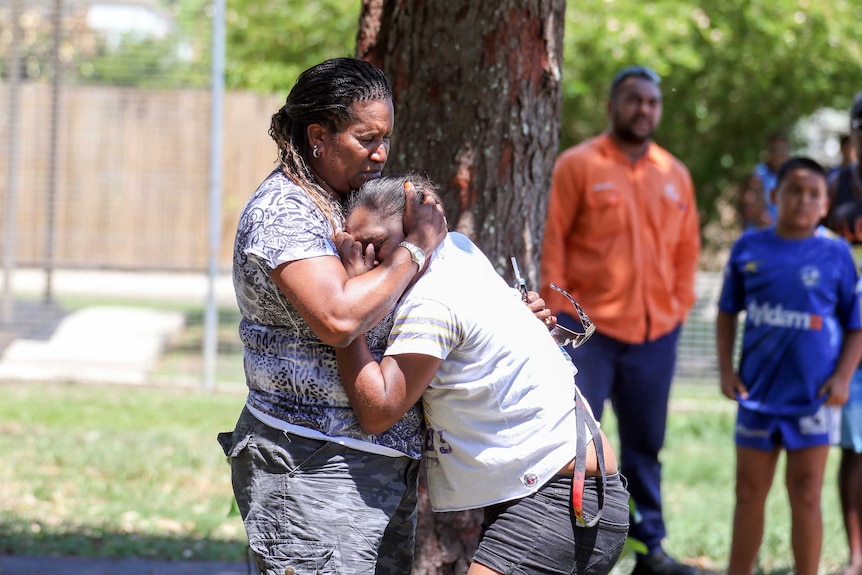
(183, 359)
(698, 488)
(119, 471)
(116, 471)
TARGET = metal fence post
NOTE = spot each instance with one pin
(9, 244)
(216, 134)
(54, 153)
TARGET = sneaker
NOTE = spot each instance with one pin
(660, 563)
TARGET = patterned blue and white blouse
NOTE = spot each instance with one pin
(291, 374)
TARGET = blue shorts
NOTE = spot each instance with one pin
(537, 534)
(851, 415)
(766, 431)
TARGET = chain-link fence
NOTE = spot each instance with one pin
(105, 141)
(697, 361)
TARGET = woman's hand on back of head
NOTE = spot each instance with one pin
(424, 223)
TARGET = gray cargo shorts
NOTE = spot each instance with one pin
(538, 534)
(312, 506)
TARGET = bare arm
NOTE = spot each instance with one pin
(381, 393)
(725, 337)
(837, 387)
(337, 306)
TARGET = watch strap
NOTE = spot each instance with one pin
(417, 254)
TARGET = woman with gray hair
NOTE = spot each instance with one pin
(507, 429)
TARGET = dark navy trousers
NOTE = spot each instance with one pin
(636, 378)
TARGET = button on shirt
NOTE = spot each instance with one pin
(623, 238)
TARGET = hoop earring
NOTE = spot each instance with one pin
(315, 152)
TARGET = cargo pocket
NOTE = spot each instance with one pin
(295, 558)
(231, 448)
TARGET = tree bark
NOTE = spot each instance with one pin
(477, 96)
(476, 85)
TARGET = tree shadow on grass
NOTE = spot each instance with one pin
(18, 538)
(789, 570)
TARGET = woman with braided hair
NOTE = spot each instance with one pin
(316, 493)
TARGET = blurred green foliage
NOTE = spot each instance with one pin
(734, 70)
(270, 43)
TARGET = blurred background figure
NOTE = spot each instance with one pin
(849, 155)
(777, 152)
(792, 376)
(752, 205)
(845, 218)
(622, 236)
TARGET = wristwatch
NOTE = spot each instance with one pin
(416, 254)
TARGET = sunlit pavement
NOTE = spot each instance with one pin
(111, 343)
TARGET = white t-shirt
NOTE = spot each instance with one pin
(501, 409)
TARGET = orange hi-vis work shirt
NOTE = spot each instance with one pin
(623, 238)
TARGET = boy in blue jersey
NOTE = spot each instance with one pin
(801, 344)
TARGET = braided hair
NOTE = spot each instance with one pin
(323, 94)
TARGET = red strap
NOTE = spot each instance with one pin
(579, 475)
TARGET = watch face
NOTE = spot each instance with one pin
(416, 253)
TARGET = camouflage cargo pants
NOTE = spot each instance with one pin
(312, 506)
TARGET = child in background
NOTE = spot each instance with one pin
(751, 205)
(845, 218)
(800, 347)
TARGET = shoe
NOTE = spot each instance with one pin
(660, 563)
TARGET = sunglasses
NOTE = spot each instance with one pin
(856, 124)
(564, 336)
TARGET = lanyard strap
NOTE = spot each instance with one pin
(579, 477)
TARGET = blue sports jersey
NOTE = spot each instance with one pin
(800, 297)
(769, 179)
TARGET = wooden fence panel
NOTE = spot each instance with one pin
(132, 174)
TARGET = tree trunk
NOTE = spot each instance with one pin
(477, 97)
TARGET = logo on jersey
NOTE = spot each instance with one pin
(810, 276)
(750, 267)
(777, 316)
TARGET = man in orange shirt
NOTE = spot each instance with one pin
(622, 236)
